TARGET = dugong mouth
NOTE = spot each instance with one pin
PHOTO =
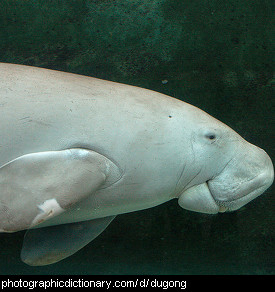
(239, 196)
(209, 198)
(236, 185)
(199, 199)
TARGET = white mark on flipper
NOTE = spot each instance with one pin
(47, 210)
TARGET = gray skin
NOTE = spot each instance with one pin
(76, 151)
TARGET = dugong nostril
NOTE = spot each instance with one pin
(267, 173)
(264, 164)
(270, 172)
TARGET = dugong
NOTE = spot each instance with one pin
(76, 151)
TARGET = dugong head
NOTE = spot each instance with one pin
(228, 171)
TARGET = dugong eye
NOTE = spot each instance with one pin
(210, 136)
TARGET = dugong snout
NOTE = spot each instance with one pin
(244, 178)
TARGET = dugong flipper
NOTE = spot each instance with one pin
(39, 186)
(48, 245)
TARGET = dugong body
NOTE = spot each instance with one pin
(76, 151)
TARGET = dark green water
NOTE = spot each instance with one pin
(215, 55)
